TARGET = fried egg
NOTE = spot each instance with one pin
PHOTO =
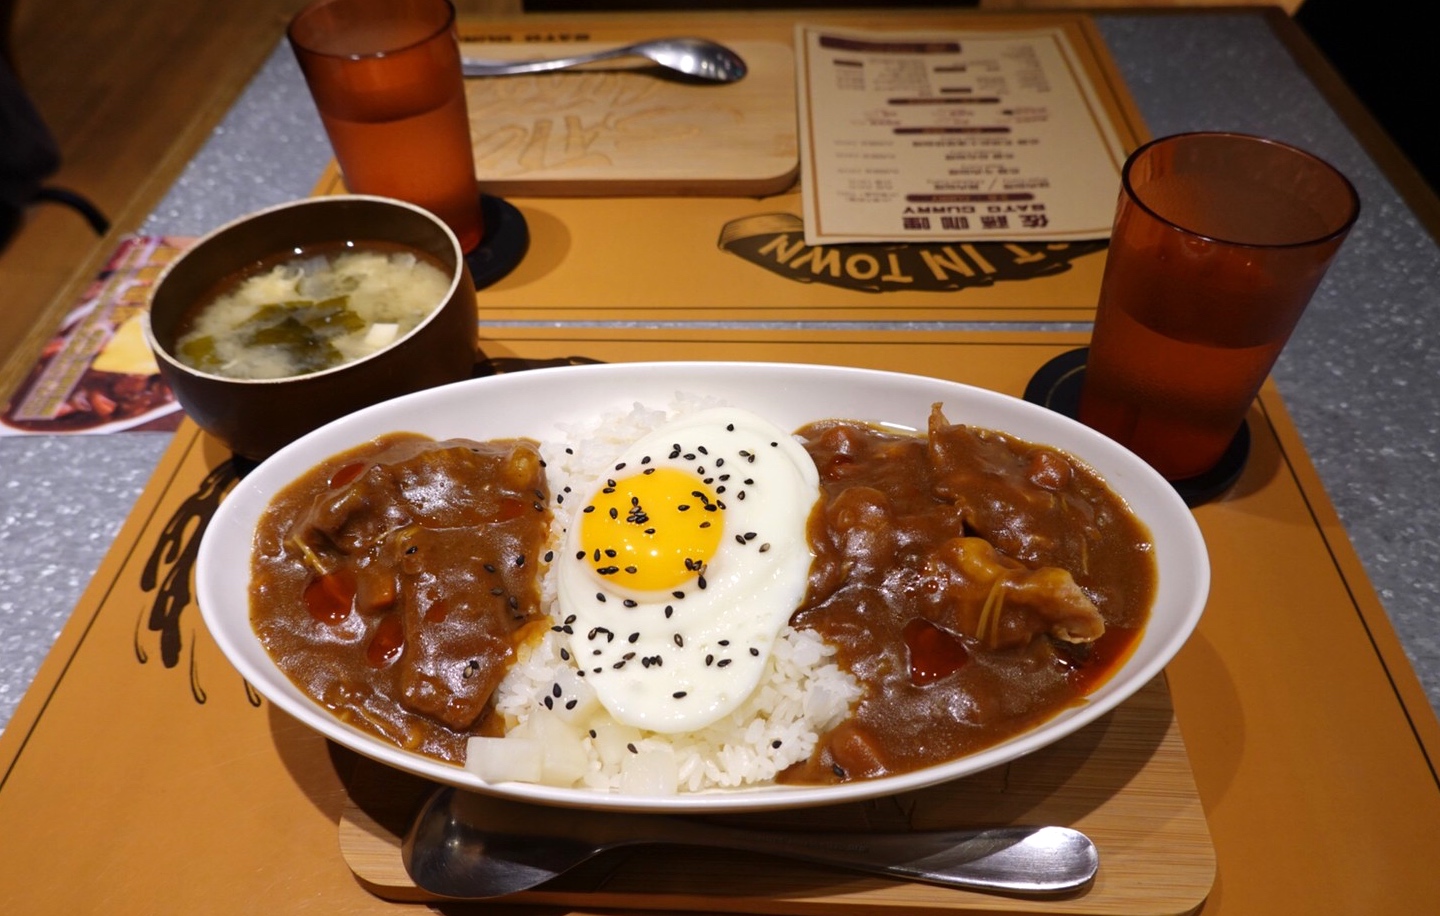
(681, 565)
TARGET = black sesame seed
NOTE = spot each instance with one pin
(592, 733)
(600, 597)
(700, 581)
(740, 495)
(489, 567)
(723, 663)
(571, 704)
(565, 654)
(730, 427)
(556, 692)
(838, 770)
(634, 638)
(630, 602)
(631, 748)
(724, 642)
(497, 591)
(589, 509)
(776, 743)
(549, 555)
(549, 703)
(764, 548)
(520, 561)
(679, 694)
(678, 594)
(679, 640)
(570, 619)
(709, 660)
(754, 651)
(410, 550)
(580, 555)
(645, 460)
(669, 609)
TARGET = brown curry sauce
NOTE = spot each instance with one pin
(957, 575)
(392, 583)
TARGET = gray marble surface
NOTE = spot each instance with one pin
(1356, 377)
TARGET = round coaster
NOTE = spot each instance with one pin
(1056, 385)
(506, 239)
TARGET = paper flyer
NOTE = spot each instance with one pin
(96, 375)
(987, 135)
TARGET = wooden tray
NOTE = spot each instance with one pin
(169, 786)
(620, 131)
(1125, 781)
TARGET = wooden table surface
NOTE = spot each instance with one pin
(1312, 744)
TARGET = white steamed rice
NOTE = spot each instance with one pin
(803, 694)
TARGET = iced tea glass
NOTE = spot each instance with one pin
(385, 76)
(1220, 240)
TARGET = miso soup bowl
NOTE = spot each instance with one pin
(256, 417)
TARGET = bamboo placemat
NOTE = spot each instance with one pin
(170, 786)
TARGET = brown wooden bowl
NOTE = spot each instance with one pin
(257, 417)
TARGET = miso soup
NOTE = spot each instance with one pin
(311, 312)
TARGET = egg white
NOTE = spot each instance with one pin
(680, 660)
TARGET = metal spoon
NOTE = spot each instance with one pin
(694, 57)
(469, 846)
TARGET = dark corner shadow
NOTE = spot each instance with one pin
(549, 244)
(1264, 460)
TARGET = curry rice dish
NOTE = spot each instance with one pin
(959, 587)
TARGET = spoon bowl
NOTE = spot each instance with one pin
(469, 846)
(697, 58)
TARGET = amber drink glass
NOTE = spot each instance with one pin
(385, 76)
(1219, 242)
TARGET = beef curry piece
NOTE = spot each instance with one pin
(391, 583)
(974, 583)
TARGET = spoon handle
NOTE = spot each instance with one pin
(1029, 860)
(472, 67)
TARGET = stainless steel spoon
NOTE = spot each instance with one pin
(693, 57)
(465, 845)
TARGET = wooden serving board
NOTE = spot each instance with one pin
(619, 129)
(1125, 781)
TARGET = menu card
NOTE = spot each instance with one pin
(994, 135)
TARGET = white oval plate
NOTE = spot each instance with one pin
(538, 402)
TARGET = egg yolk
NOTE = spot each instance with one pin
(652, 531)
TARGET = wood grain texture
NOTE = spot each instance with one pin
(617, 130)
(1125, 781)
